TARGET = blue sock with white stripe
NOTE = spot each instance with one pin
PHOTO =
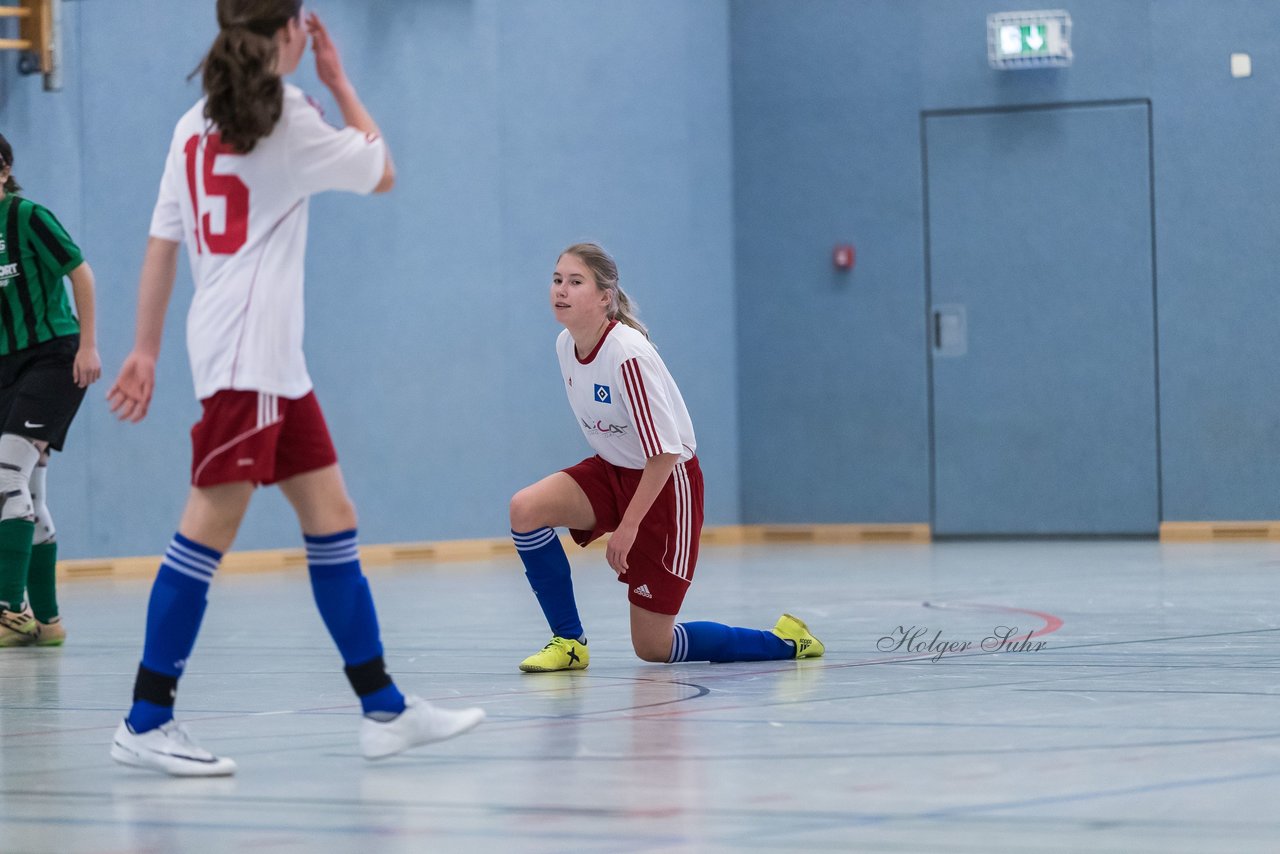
(346, 606)
(717, 642)
(174, 612)
(547, 568)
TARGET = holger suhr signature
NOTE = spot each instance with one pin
(918, 640)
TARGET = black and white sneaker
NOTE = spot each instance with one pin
(168, 749)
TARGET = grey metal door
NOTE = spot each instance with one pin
(1041, 321)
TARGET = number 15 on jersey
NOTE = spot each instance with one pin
(227, 190)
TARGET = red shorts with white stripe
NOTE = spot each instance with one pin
(660, 565)
(262, 438)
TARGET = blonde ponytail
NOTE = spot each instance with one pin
(605, 271)
(624, 310)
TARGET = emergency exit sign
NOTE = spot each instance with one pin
(1023, 41)
(1029, 39)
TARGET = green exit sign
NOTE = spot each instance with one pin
(1029, 39)
(1024, 41)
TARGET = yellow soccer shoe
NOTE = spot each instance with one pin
(560, 654)
(791, 629)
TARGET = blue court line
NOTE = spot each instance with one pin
(373, 831)
(874, 754)
(976, 811)
(1001, 726)
(1099, 794)
(1147, 691)
(809, 820)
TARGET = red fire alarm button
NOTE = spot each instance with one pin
(844, 256)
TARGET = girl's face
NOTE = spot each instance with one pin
(575, 299)
(291, 42)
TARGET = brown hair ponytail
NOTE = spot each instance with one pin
(245, 95)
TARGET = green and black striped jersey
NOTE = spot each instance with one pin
(35, 253)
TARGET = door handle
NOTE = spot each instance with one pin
(950, 330)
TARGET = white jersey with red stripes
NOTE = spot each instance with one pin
(243, 218)
(625, 401)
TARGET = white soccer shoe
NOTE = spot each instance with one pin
(168, 749)
(419, 723)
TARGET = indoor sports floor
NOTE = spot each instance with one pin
(1142, 716)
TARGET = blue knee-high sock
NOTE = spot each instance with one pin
(547, 568)
(346, 606)
(718, 642)
(174, 612)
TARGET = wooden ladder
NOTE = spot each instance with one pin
(35, 33)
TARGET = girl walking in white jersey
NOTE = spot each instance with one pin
(643, 484)
(241, 167)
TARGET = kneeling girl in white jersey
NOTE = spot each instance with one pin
(242, 165)
(643, 484)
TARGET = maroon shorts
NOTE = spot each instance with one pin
(258, 437)
(660, 565)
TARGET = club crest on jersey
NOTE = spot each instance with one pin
(602, 394)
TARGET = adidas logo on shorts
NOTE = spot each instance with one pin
(643, 590)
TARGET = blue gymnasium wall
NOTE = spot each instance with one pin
(1217, 182)
(827, 97)
(720, 149)
(517, 128)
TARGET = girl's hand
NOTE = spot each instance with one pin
(87, 367)
(620, 543)
(328, 63)
(131, 394)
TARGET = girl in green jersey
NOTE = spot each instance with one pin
(48, 357)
